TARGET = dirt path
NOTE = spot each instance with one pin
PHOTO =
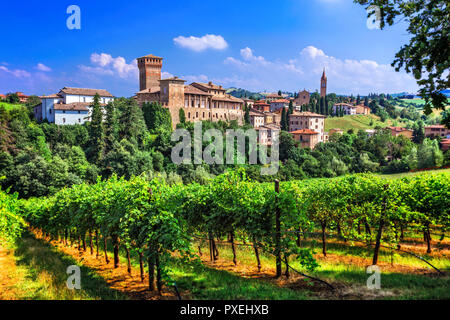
(8, 276)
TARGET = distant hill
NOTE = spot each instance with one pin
(355, 122)
(242, 93)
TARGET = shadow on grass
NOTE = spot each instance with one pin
(47, 265)
(204, 282)
(405, 286)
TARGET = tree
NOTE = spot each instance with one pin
(418, 132)
(96, 131)
(156, 116)
(247, 116)
(279, 93)
(283, 120)
(182, 116)
(12, 98)
(427, 52)
(111, 126)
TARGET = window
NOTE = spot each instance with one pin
(64, 111)
(64, 120)
(79, 120)
(79, 111)
(84, 99)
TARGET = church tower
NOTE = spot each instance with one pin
(149, 71)
(323, 84)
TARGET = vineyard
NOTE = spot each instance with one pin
(279, 224)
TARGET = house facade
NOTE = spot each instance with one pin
(348, 109)
(308, 120)
(70, 105)
(437, 130)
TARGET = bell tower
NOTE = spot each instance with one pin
(323, 84)
(149, 71)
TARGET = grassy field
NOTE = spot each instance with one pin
(10, 106)
(355, 122)
(410, 174)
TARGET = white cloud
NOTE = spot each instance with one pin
(43, 67)
(303, 71)
(105, 64)
(16, 73)
(209, 41)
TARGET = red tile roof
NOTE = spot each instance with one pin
(86, 92)
(304, 131)
(76, 106)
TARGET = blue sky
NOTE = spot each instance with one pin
(257, 45)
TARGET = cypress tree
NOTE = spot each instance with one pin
(182, 115)
(283, 120)
(96, 131)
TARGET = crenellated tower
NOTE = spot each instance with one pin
(149, 71)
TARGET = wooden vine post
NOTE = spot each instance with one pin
(380, 229)
(277, 231)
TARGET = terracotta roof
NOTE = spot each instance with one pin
(436, 126)
(193, 90)
(150, 90)
(398, 129)
(86, 92)
(51, 96)
(445, 141)
(345, 104)
(76, 106)
(173, 79)
(256, 113)
(227, 98)
(280, 101)
(273, 95)
(307, 114)
(150, 56)
(304, 131)
(209, 85)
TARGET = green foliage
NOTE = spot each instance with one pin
(156, 117)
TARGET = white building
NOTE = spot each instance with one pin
(347, 108)
(278, 104)
(70, 105)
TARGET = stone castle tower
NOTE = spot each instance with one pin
(149, 71)
(323, 84)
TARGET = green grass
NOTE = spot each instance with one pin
(411, 174)
(205, 283)
(355, 122)
(10, 106)
(41, 271)
(394, 285)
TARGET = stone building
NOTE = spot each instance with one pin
(311, 121)
(437, 130)
(308, 138)
(200, 101)
(303, 98)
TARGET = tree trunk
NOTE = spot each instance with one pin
(380, 231)
(324, 238)
(115, 240)
(215, 250)
(158, 275)
(286, 273)
(257, 255)
(210, 248)
(84, 242)
(151, 275)
(105, 248)
(428, 235)
(128, 260)
(141, 265)
(200, 250)
(277, 233)
(91, 243)
(233, 247)
(96, 243)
